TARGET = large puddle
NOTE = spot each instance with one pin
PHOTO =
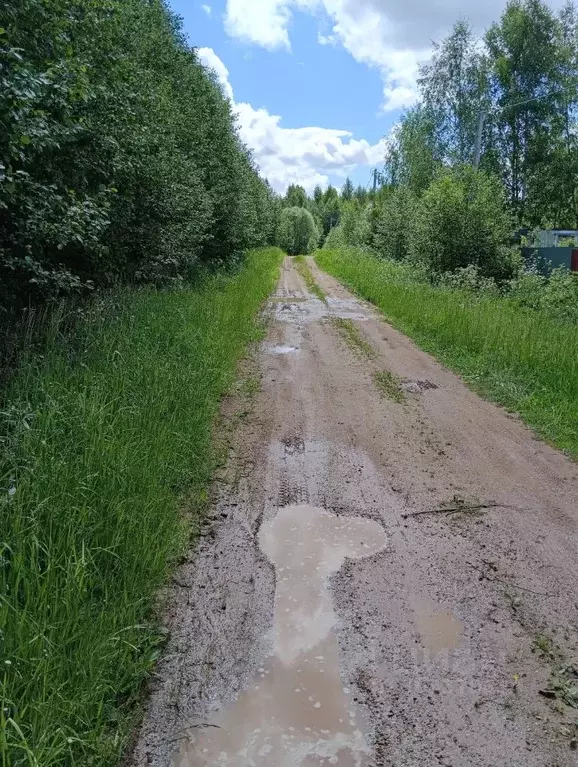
(297, 713)
(312, 309)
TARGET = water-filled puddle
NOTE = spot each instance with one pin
(313, 310)
(296, 713)
(281, 349)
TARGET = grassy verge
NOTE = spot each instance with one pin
(309, 279)
(521, 358)
(105, 462)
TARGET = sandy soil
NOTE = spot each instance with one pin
(324, 619)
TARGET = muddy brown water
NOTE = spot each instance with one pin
(298, 709)
(316, 623)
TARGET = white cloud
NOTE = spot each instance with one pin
(209, 58)
(327, 39)
(393, 36)
(306, 156)
(207, 9)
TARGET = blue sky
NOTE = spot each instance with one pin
(318, 84)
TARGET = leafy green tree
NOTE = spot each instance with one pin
(119, 155)
(331, 210)
(524, 49)
(296, 197)
(354, 224)
(297, 233)
(348, 190)
(461, 220)
(391, 220)
(413, 154)
(455, 91)
(318, 195)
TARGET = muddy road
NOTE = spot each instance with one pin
(325, 618)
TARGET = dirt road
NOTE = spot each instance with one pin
(325, 619)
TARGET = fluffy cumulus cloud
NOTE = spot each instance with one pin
(393, 36)
(307, 156)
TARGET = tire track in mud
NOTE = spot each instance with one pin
(433, 635)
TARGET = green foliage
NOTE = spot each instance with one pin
(296, 197)
(330, 209)
(462, 220)
(521, 358)
(414, 155)
(348, 190)
(355, 223)
(531, 66)
(454, 87)
(522, 80)
(119, 157)
(105, 443)
(392, 219)
(469, 278)
(556, 295)
(335, 239)
(297, 233)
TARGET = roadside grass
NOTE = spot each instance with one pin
(389, 385)
(307, 275)
(521, 358)
(106, 457)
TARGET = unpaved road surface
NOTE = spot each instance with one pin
(322, 620)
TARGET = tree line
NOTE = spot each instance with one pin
(491, 148)
(518, 85)
(119, 154)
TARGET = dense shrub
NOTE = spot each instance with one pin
(556, 295)
(119, 157)
(461, 220)
(297, 233)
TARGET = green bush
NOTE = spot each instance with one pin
(556, 295)
(297, 233)
(462, 220)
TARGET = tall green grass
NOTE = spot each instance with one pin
(106, 457)
(521, 358)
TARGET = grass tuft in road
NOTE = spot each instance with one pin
(307, 275)
(521, 358)
(106, 457)
(389, 385)
(353, 337)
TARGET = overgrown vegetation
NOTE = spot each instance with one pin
(106, 454)
(119, 155)
(523, 358)
(353, 337)
(297, 233)
(305, 272)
